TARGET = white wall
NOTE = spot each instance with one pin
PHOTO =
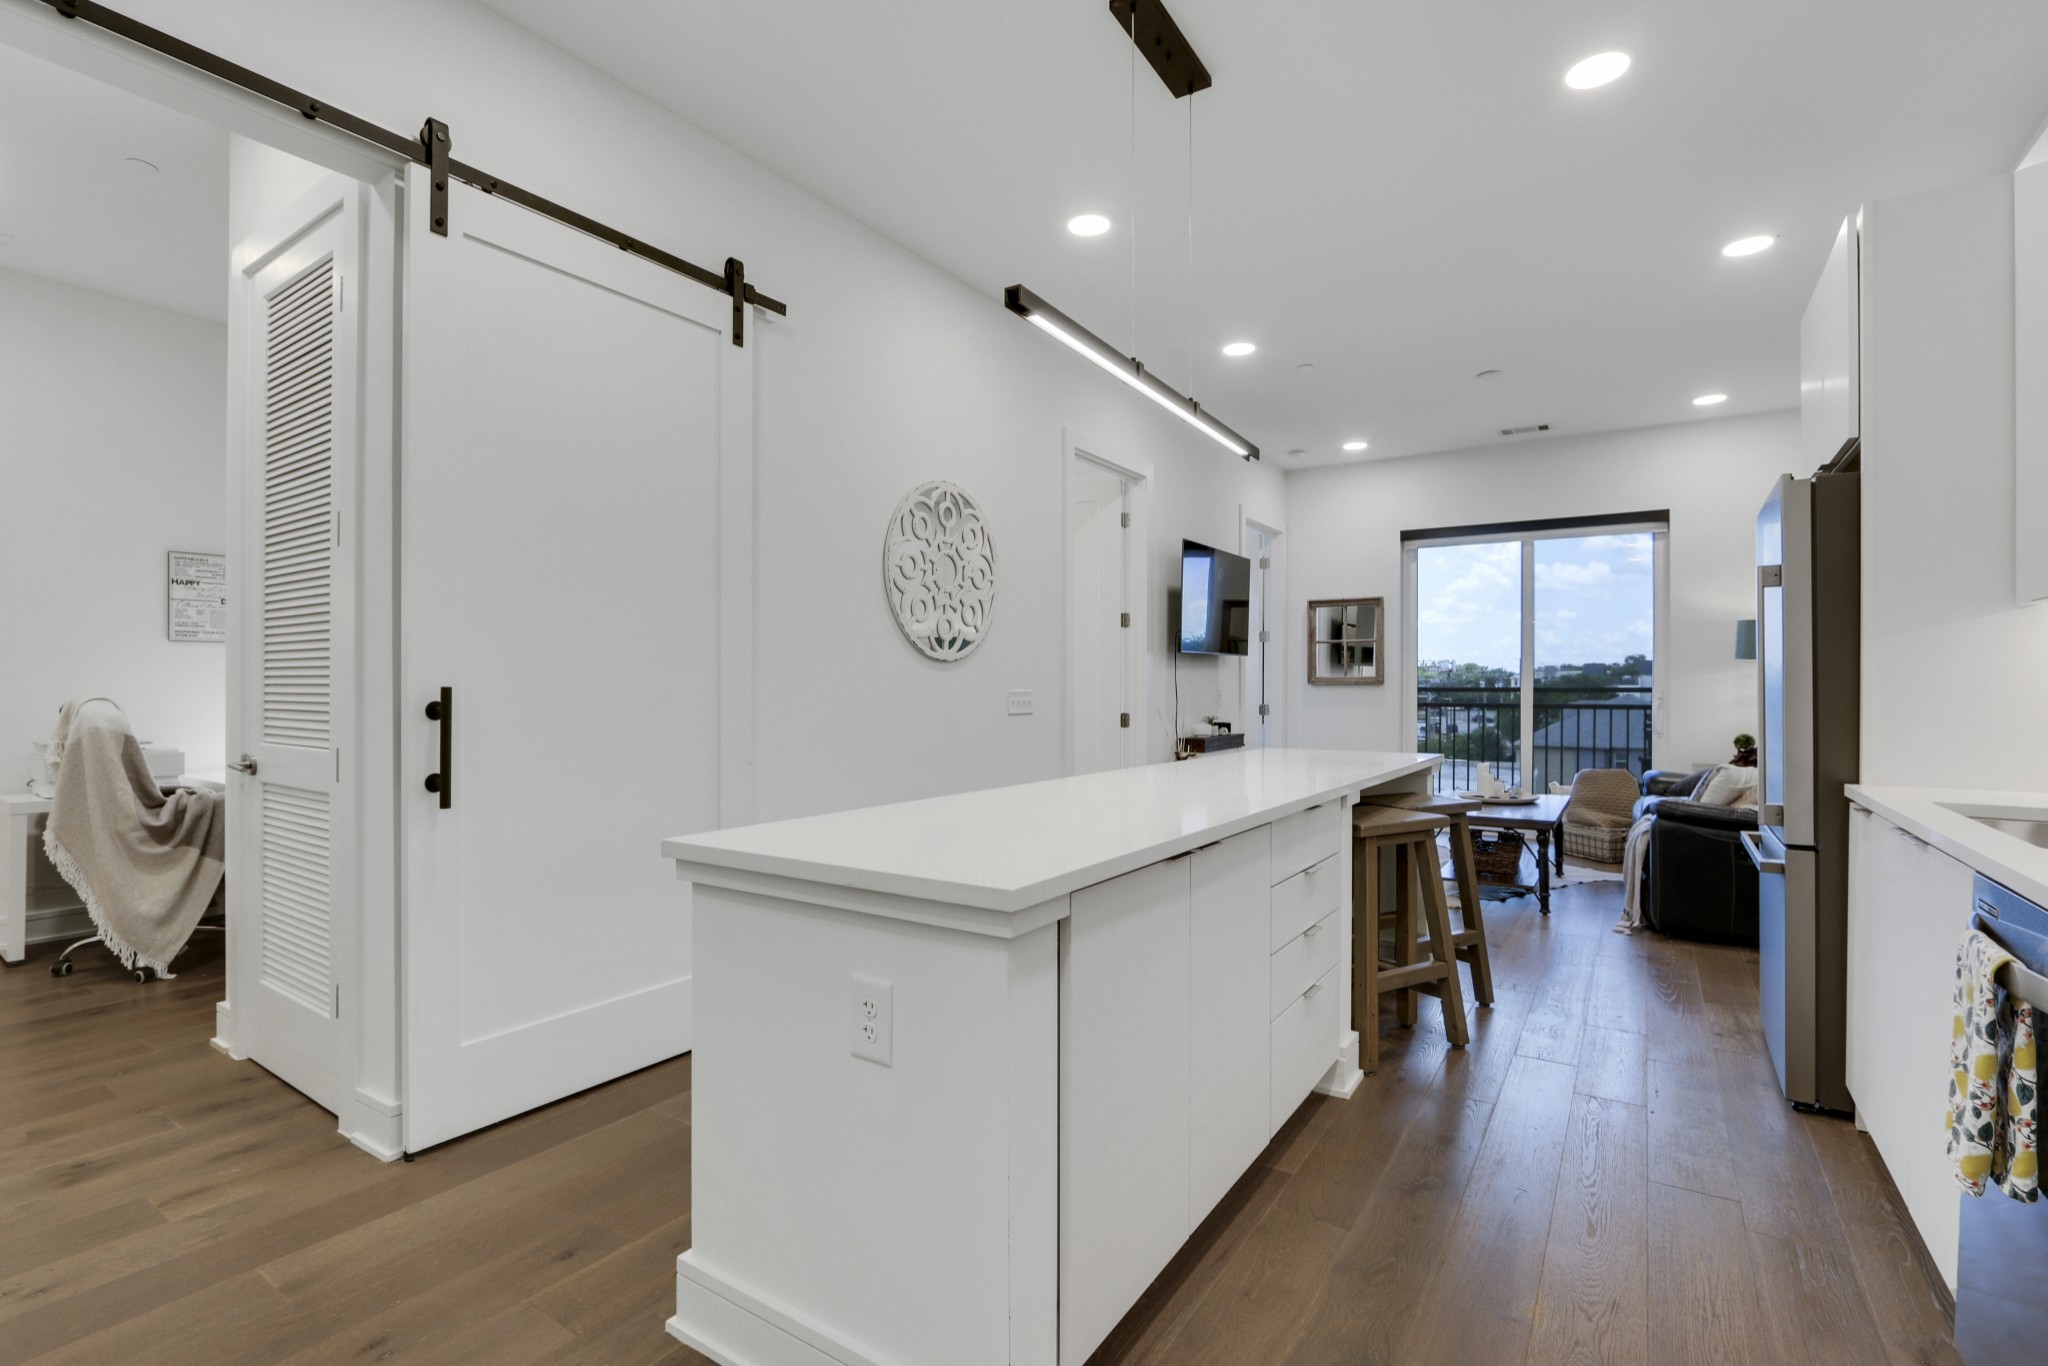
(112, 423)
(262, 181)
(887, 372)
(1952, 670)
(1345, 523)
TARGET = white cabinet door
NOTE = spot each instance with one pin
(1230, 993)
(2030, 370)
(1124, 1059)
(566, 411)
(1909, 904)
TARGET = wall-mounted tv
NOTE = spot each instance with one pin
(1215, 601)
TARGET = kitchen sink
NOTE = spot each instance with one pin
(2023, 823)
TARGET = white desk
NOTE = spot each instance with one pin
(1100, 997)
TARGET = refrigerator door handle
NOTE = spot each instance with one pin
(1753, 842)
(1768, 577)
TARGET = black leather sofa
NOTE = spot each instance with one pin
(1698, 881)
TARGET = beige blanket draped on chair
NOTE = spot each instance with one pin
(146, 864)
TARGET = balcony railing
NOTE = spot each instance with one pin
(1575, 728)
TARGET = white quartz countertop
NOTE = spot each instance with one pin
(1932, 814)
(1009, 848)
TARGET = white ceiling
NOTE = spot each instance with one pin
(73, 210)
(1400, 195)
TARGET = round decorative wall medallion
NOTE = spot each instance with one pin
(939, 570)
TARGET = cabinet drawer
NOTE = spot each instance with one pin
(1304, 1046)
(1302, 961)
(1307, 897)
(1305, 838)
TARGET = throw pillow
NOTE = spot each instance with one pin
(1728, 786)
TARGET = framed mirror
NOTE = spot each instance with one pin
(1344, 640)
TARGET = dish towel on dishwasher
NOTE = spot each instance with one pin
(1993, 1090)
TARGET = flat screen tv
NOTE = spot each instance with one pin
(1215, 601)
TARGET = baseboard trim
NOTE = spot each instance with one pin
(736, 1326)
(1343, 1078)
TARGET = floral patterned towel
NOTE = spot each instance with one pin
(1993, 1090)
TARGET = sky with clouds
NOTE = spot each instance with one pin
(1595, 601)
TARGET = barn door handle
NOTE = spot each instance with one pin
(443, 710)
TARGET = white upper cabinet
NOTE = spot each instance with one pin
(1830, 409)
(2030, 372)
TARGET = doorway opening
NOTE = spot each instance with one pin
(189, 514)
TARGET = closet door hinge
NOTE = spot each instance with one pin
(1124, 720)
(1265, 710)
(1126, 620)
(1265, 637)
(1127, 519)
(337, 1000)
(1265, 563)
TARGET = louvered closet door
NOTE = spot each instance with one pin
(292, 905)
(565, 410)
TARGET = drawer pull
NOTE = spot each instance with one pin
(1310, 993)
(1313, 930)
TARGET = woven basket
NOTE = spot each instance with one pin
(1597, 843)
(1497, 854)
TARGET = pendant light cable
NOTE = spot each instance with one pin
(1192, 378)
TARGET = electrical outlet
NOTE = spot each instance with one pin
(874, 1019)
(1020, 701)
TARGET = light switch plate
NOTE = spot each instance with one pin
(1020, 702)
(873, 1007)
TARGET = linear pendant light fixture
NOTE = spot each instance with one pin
(1160, 40)
(1129, 369)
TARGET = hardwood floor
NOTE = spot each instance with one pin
(1605, 1174)
(162, 1203)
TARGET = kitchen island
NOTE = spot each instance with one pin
(968, 1071)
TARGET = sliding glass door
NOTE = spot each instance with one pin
(1532, 649)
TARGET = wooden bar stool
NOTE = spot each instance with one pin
(1471, 935)
(1408, 838)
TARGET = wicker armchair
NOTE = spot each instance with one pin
(1597, 818)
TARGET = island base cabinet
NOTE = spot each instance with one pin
(1909, 904)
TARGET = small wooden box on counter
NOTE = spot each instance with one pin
(1210, 744)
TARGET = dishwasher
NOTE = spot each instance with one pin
(2001, 1312)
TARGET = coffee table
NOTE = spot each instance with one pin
(1544, 817)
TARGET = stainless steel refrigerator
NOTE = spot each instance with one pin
(1809, 635)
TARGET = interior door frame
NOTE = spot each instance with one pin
(1273, 617)
(1137, 673)
(370, 1115)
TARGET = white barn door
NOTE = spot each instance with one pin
(292, 854)
(560, 573)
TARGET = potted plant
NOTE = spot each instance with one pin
(1216, 726)
(1745, 751)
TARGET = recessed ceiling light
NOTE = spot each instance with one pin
(1487, 374)
(1240, 348)
(1306, 365)
(1088, 225)
(1597, 70)
(1748, 246)
(1354, 445)
(1709, 400)
(137, 166)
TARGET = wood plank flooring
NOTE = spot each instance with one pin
(1605, 1174)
